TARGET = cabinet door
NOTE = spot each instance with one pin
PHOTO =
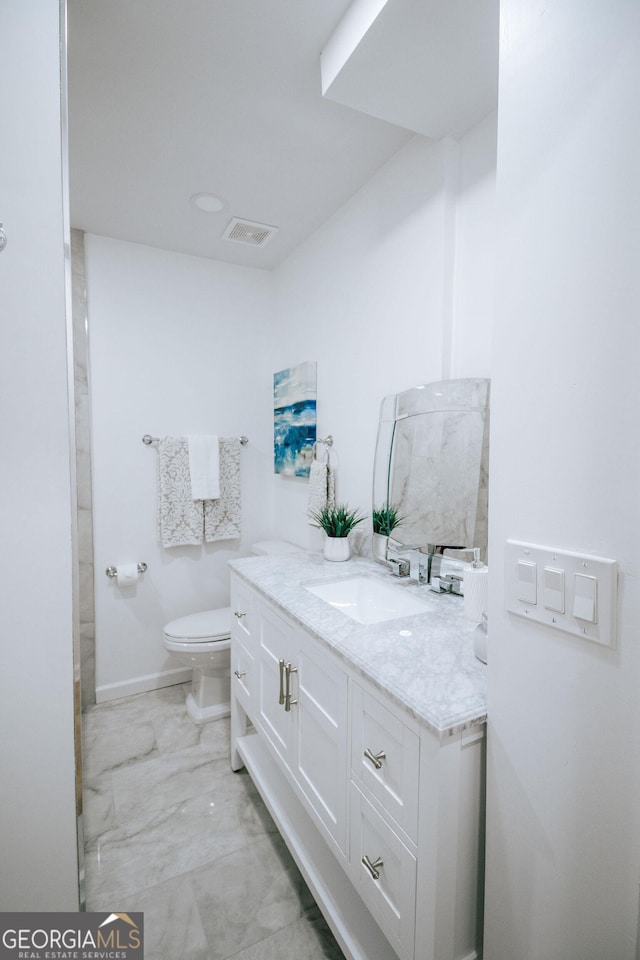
(384, 872)
(321, 750)
(276, 648)
(385, 759)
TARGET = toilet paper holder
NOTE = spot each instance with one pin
(113, 571)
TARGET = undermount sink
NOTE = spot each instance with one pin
(368, 600)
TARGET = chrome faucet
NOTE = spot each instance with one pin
(420, 564)
(418, 567)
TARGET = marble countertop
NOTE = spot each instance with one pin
(425, 662)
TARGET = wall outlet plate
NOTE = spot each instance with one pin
(573, 592)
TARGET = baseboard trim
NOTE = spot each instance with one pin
(152, 681)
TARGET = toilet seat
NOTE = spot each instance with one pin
(208, 626)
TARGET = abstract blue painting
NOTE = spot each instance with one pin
(294, 419)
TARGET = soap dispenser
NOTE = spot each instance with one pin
(476, 597)
(476, 578)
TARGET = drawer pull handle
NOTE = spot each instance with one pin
(238, 614)
(240, 675)
(288, 670)
(281, 668)
(373, 867)
(376, 758)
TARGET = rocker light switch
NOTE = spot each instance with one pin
(526, 573)
(584, 598)
(553, 589)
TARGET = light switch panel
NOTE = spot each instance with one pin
(572, 592)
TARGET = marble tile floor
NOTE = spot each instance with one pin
(171, 831)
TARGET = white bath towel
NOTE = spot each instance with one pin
(322, 488)
(180, 517)
(204, 467)
(222, 516)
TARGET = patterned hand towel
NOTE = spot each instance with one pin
(222, 517)
(322, 488)
(180, 517)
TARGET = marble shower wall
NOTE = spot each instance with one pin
(83, 469)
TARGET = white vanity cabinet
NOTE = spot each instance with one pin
(383, 816)
(298, 701)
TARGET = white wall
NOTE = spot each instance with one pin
(37, 795)
(178, 345)
(563, 773)
(475, 252)
(381, 299)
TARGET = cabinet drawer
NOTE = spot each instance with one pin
(385, 759)
(241, 607)
(243, 670)
(388, 884)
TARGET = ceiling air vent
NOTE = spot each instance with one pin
(246, 231)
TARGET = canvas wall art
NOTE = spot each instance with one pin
(294, 419)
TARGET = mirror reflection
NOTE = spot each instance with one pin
(431, 478)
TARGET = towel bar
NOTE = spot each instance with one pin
(327, 441)
(149, 439)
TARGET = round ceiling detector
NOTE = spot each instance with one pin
(207, 202)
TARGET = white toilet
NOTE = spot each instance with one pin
(203, 641)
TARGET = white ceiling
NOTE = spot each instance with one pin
(168, 99)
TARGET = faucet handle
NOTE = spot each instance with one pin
(415, 564)
(449, 583)
(399, 568)
(440, 585)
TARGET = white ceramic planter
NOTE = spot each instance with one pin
(379, 546)
(337, 548)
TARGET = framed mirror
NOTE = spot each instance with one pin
(431, 470)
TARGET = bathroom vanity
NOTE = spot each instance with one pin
(366, 742)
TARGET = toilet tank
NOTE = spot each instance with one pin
(264, 548)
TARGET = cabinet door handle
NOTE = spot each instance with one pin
(281, 668)
(240, 675)
(288, 670)
(376, 758)
(238, 614)
(373, 867)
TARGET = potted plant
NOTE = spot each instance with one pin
(337, 522)
(385, 519)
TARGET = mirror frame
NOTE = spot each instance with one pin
(458, 398)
